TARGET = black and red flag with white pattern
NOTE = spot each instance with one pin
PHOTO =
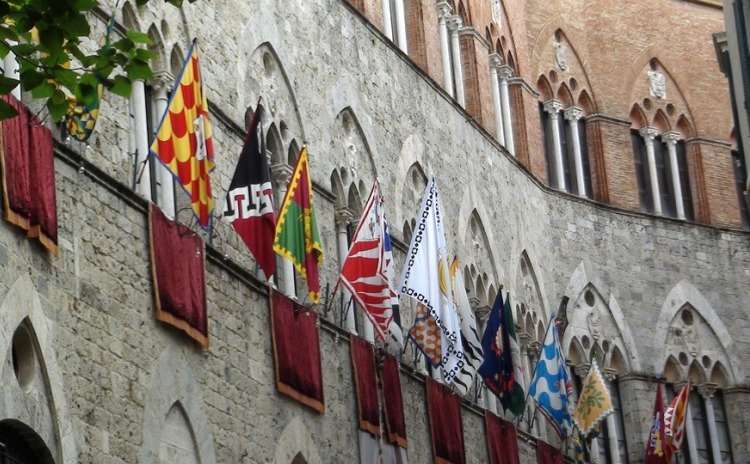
(248, 205)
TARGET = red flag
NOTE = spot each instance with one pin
(656, 448)
(365, 271)
(674, 420)
(248, 205)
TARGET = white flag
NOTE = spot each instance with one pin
(426, 279)
(473, 354)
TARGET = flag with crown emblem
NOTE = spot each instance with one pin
(184, 142)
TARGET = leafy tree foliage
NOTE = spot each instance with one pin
(45, 36)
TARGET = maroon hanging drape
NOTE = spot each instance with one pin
(296, 351)
(547, 454)
(177, 267)
(28, 175)
(366, 384)
(446, 427)
(395, 425)
(502, 441)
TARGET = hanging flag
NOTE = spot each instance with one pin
(581, 453)
(594, 402)
(365, 271)
(184, 142)
(498, 370)
(297, 236)
(426, 279)
(248, 205)
(395, 340)
(656, 452)
(674, 420)
(550, 387)
(80, 118)
(469, 337)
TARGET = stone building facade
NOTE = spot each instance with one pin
(583, 150)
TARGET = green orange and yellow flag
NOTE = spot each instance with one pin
(184, 143)
(297, 236)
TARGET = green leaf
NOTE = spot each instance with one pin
(143, 54)
(57, 109)
(87, 93)
(138, 69)
(4, 49)
(124, 45)
(6, 111)
(44, 90)
(23, 49)
(138, 37)
(51, 39)
(76, 26)
(84, 5)
(121, 86)
(66, 77)
(7, 33)
(58, 96)
(7, 84)
(31, 78)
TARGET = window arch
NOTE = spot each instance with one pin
(660, 119)
(565, 102)
(20, 444)
(177, 441)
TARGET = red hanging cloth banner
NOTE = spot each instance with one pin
(28, 175)
(395, 424)
(502, 441)
(547, 454)
(366, 384)
(177, 268)
(446, 427)
(296, 351)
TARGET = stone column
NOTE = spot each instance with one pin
(649, 136)
(10, 70)
(401, 26)
(689, 432)
(738, 399)
(504, 73)
(343, 217)
(573, 115)
(553, 107)
(523, 343)
(495, 62)
(281, 173)
(637, 392)
(165, 180)
(138, 96)
(614, 445)
(671, 138)
(444, 13)
(455, 24)
(388, 20)
(707, 391)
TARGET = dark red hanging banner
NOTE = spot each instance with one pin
(547, 454)
(366, 383)
(395, 425)
(28, 175)
(296, 351)
(446, 427)
(177, 267)
(502, 441)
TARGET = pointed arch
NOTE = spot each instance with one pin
(672, 371)
(296, 442)
(275, 145)
(544, 88)
(176, 60)
(156, 47)
(565, 95)
(661, 121)
(695, 374)
(585, 102)
(412, 152)
(130, 17)
(685, 293)
(472, 210)
(528, 287)
(719, 375)
(266, 76)
(173, 382)
(177, 438)
(337, 187)
(685, 127)
(353, 148)
(638, 119)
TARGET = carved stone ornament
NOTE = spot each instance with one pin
(595, 324)
(657, 82)
(561, 56)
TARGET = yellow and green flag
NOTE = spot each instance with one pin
(594, 403)
(297, 236)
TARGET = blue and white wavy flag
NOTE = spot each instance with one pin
(551, 388)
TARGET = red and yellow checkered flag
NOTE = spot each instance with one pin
(184, 142)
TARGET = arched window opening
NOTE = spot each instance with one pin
(299, 459)
(20, 444)
(177, 439)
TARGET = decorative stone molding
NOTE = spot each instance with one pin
(162, 80)
(343, 216)
(445, 11)
(504, 72)
(671, 137)
(573, 113)
(455, 23)
(657, 82)
(281, 173)
(610, 375)
(582, 370)
(649, 132)
(496, 60)
(553, 106)
(707, 390)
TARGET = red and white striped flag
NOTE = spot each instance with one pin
(674, 419)
(365, 271)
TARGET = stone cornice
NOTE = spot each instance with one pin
(708, 141)
(601, 117)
